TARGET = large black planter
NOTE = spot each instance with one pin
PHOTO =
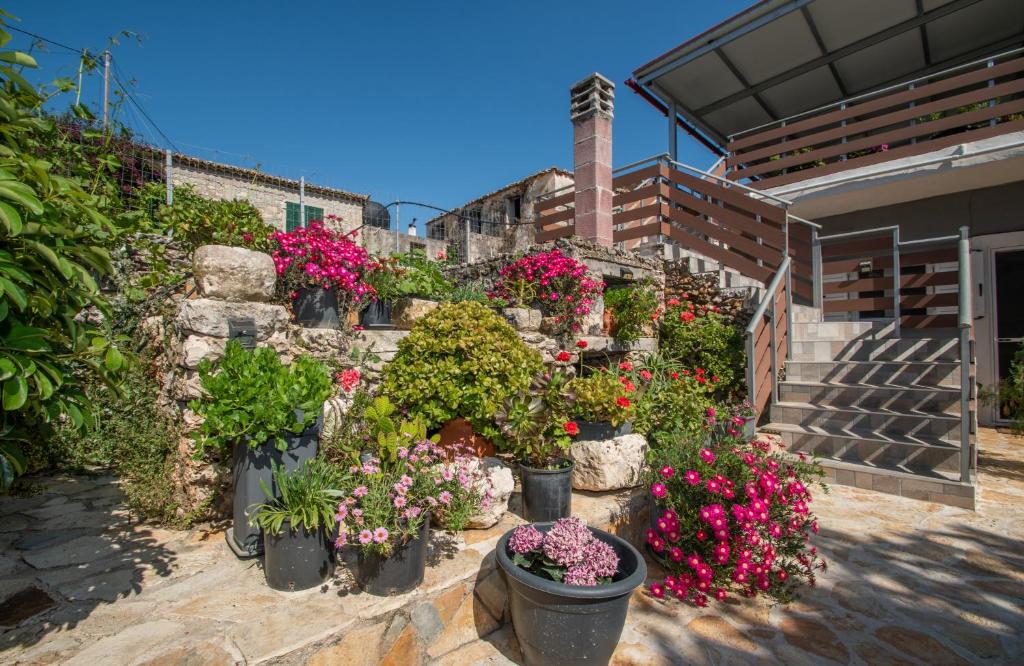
(547, 493)
(569, 625)
(297, 559)
(376, 315)
(399, 572)
(248, 467)
(600, 430)
(316, 307)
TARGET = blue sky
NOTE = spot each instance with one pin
(427, 101)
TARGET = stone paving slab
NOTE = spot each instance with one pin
(909, 582)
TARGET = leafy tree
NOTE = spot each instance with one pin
(53, 235)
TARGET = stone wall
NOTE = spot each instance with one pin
(382, 241)
(268, 195)
(736, 305)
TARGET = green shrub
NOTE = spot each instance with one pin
(602, 397)
(460, 359)
(670, 401)
(251, 395)
(706, 345)
(535, 425)
(634, 307)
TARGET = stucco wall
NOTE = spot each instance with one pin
(382, 241)
(268, 198)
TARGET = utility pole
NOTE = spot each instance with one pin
(106, 88)
(302, 201)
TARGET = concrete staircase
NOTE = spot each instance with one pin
(882, 413)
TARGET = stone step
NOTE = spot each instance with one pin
(891, 349)
(840, 330)
(805, 314)
(895, 373)
(902, 399)
(880, 422)
(921, 454)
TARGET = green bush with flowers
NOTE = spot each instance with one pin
(635, 309)
(731, 516)
(534, 424)
(699, 338)
(667, 397)
(460, 359)
(602, 397)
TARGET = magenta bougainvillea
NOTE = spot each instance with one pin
(317, 256)
(732, 516)
(559, 284)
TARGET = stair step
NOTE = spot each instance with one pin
(841, 330)
(879, 421)
(917, 453)
(874, 397)
(892, 349)
(895, 373)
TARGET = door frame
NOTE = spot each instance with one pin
(983, 268)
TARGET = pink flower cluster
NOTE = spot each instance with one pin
(558, 282)
(318, 256)
(737, 519)
(583, 559)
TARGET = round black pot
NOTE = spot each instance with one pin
(547, 493)
(376, 315)
(399, 572)
(599, 430)
(297, 559)
(569, 625)
(316, 307)
(248, 467)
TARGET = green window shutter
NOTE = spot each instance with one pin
(291, 216)
(313, 213)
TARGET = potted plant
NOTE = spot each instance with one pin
(265, 413)
(420, 287)
(536, 430)
(388, 512)
(631, 310)
(603, 405)
(383, 276)
(733, 517)
(559, 286)
(298, 524)
(322, 271)
(666, 397)
(569, 588)
(460, 360)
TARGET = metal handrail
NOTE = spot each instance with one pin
(772, 286)
(813, 225)
(880, 91)
(964, 321)
(862, 232)
(731, 183)
(759, 312)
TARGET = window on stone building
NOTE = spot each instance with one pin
(291, 215)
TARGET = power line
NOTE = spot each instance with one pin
(138, 106)
(48, 41)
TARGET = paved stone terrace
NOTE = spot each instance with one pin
(909, 582)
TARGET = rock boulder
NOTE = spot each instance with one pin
(610, 464)
(233, 273)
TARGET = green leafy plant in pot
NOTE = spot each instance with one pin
(264, 413)
(634, 310)
(536, 430)
(298, 524)
(603, 406)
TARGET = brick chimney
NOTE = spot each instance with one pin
(592, 103)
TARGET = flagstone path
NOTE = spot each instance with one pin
(908, 582)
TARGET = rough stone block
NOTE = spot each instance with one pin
(233, 273)
(494, 481)
(204, 316)
(197, 348)
(523, 319)
(610, 464)
(406, 311)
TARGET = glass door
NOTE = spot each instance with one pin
(1009, 268)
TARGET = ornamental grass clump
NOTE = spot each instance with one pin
(315, 256)
(559, 283)
(389, 500)
(733, 516)
(567, 553)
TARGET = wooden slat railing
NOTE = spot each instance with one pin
(968, 103)
(767, 340)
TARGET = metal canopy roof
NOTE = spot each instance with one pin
(784, 57)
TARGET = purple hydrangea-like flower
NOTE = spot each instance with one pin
(580, 574)
(566, 542)
(601, 559)
(525, 539)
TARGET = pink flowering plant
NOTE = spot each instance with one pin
(315, 256)
(732, 516)
(387, 501)
(567, 553)
(559, 283)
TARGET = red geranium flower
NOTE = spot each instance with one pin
(571, 428)
(582, 344)
(563, 357)
(623, 401)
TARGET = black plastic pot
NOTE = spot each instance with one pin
(316, 307)
(599, 430)
(399, 572)
(547, 493)
(249, 466)
(376, 315)
(297, 559)
(569, 625)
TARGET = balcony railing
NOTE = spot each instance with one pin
(974, 101)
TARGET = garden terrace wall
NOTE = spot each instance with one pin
(735, 304)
